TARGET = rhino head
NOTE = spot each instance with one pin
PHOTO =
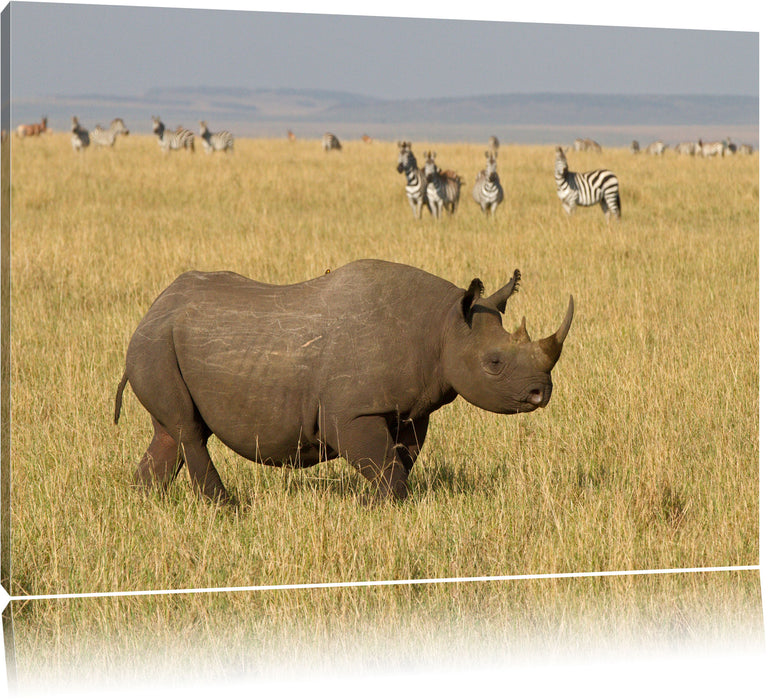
(495, 370)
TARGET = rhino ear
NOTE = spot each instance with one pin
(499, 298)
(475, 291)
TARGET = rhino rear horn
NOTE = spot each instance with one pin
(553, 344)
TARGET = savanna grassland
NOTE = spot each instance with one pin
(645, 458)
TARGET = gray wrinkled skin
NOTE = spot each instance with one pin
(348, 364)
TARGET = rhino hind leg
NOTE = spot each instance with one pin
(202, 471)
(161, 462)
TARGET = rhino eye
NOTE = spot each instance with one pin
(493, 364)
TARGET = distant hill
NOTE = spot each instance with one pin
(261, 112)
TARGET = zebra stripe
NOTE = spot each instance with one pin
(443, 189)
(80, 136)
(493, 143)
(634, 147)
(107, 137)
(746, 149)
(586, 189)
(415, 187)
(173, 140)
(488, 192)
(331, 142)
(219, 141)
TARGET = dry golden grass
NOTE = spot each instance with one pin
(646, 457)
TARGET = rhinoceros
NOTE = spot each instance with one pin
(349, 364)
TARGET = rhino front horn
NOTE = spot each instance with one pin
(553, 344)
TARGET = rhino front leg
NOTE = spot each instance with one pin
(367, 443)
(409, 440)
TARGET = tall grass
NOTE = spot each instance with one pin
(646, 457)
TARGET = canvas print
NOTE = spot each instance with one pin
(334, 346)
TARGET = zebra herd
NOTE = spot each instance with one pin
(440, 190)
(706, 149)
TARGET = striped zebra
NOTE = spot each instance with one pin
(107, 137)
(688, 148)
(656, 148)
(746, 149)
(218, 141)
(331, 142)
(586, 189)
(493, 143)
(488, 192)
(444, 187)
(173, 140)
(634, 147)
(80, 136)
(586, 145)
(415, 186)
(714, 148)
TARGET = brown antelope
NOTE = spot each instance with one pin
(291, 136)
(24, 130)
(366, 139)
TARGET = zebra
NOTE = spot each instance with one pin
(656, 148)
(443, 188)
(219, 141)
(173, 140)
(634, 147)
(746, 149)
(488, 192)
(688, 148)
(416, 179)
(107, 137)
(707, 150)
(80, 136)
(586, 189)
(493, 143)
(586, 145)
(331, 142)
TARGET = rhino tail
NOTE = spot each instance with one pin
(119, 398)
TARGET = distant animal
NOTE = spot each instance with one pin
(746, 149)
(79, 137)
(730, 147)
(3, 135)
(586, 189)
(488, 192)
(443, 188)
(688, 148)
(25, 130)
(366, 139)
(493, 143)
(350, 364)
(331, 142)
(107, 137)
(218, 141)
(291, 135)
(586, 145)
(180, 139)
(713, 148)
(656, 148)
(634, 147)
(415, 186)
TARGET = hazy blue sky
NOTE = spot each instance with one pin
(60, 49)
